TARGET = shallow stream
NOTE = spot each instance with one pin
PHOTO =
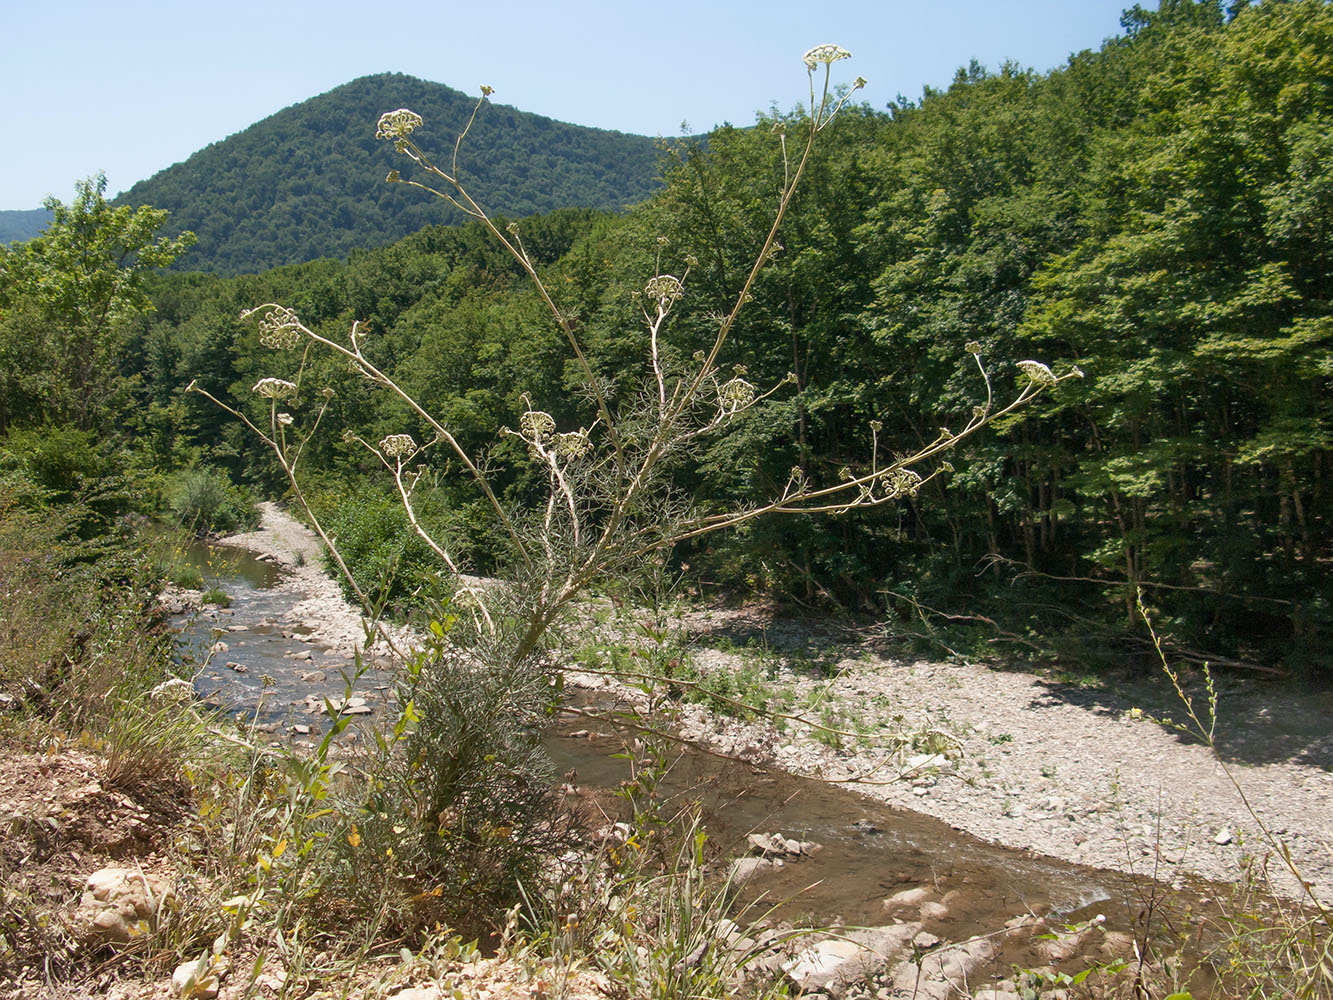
(269, 675)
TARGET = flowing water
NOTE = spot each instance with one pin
(271, 677)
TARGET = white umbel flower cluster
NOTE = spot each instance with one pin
(397, 125)
(280, 329)
(826, 54)
(536, 425)
(1038, 372)
(398, 445)
(572, 444)
(735, 395)
(274, 388)
(664, 290)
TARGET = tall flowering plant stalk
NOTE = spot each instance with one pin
(609, 500)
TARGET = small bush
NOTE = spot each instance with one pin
(205, 500)
(463, 808)
(376, 540)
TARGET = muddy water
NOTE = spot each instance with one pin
(868, 851)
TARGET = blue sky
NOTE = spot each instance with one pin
(132, 87)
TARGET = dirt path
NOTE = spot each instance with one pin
(1069, 772)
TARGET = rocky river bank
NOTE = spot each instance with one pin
(1075, 773)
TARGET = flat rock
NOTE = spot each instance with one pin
(834, 964)
(745, 869)
(944, 973)
(906, 898)
(196, 980)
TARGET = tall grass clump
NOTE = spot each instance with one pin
(79, 634)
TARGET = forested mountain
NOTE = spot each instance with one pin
(308, 182)
(1155, 212)
(22, 224)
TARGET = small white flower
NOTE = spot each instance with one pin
(398, 125)
(275, 388)
(1038, 372)
(398, 445)
(826, 54)
(285, 419)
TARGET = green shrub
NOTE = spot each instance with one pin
(189, 577)
(205, 500)
(377, 542)
(463, 808)
(72, 469)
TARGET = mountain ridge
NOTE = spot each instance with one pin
(308, 180)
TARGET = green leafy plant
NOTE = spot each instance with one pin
(205, 501)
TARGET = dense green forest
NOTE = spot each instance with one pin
(1156, 212)
(307, 182)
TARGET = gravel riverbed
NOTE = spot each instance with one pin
(1068, 771)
